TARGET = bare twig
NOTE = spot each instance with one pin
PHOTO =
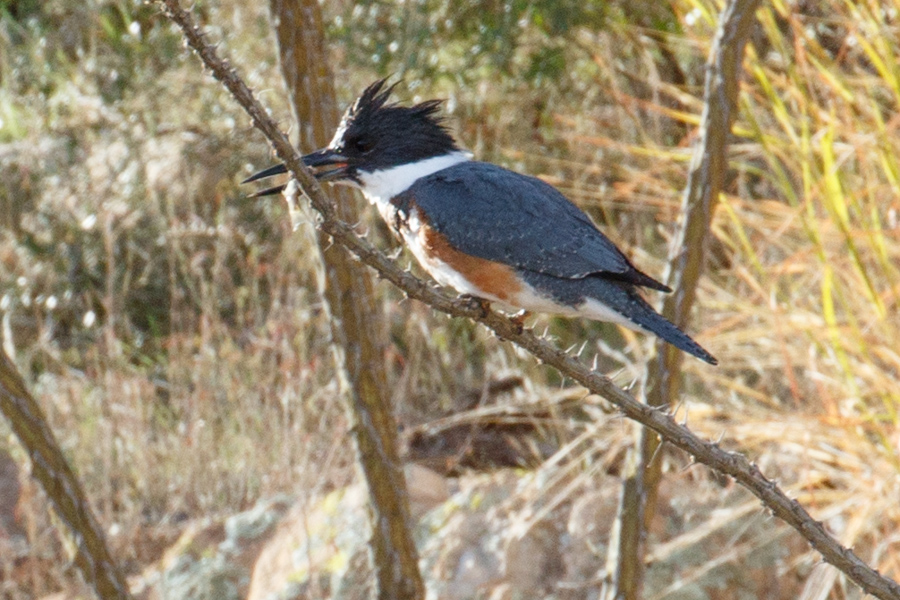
(662, 384)
(729, 463)
(52, 470)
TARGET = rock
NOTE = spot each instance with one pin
(315, 548)
(213, 559)
(503, 536)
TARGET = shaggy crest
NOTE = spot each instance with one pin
(375, 99)
(374, 116)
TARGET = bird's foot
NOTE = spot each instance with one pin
(475, 303)
(518, 320)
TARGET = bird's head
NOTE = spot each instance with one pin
(375, 136)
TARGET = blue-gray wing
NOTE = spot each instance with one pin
(496, 214)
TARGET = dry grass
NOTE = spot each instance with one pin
(174, 334)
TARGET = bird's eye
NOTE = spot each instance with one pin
(362, 144)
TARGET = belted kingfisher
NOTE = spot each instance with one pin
(487, 231)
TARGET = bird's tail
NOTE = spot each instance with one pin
(625, 300)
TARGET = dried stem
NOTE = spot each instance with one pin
(662, 384)
(729, 463)
(50, 467)
(354, 316)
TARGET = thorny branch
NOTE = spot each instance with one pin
(709, 453)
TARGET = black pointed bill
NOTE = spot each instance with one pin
(269, 191)
(276, 170)
(318, 161)
(326, 157)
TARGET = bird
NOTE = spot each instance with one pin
(489, 232)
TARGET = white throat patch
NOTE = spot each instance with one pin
(380, 186)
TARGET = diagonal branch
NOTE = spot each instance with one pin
(732, 464)
(50, 467)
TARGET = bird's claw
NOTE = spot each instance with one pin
(475, 303)
(518, 320)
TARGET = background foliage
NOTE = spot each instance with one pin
(173, 330)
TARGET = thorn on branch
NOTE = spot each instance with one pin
(475, 304)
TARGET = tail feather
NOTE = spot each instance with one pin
(608, 299)
(625, 300)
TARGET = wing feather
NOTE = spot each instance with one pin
(496, 214)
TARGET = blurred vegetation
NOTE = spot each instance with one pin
(172, 328)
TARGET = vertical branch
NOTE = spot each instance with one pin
(662, 383)
(50, 468)
(354, 317)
